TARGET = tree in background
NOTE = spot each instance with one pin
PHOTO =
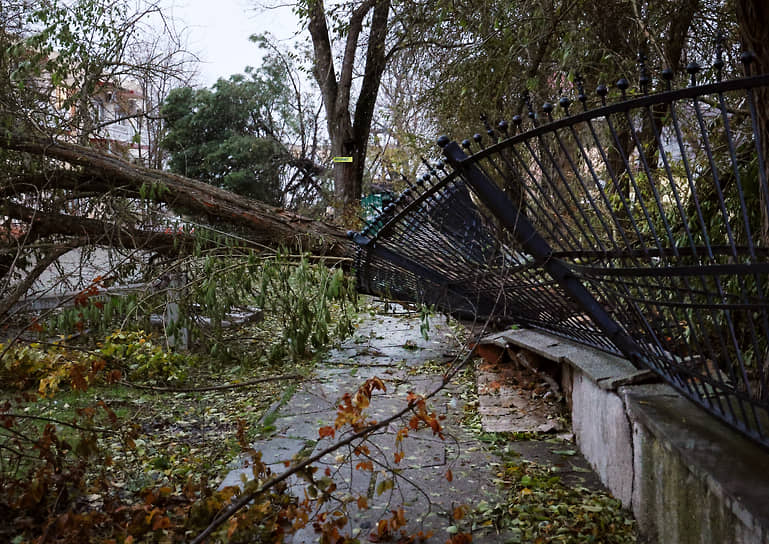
(753, 17)
(60, 55)
(210, 137)
(254, 134)
(348, 127)
(487, 56)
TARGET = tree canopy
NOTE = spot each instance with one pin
(251, 134)
(210, 137)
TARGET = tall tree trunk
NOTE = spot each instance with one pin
(349, 130)
(753, 20)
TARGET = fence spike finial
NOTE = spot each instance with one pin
(564, 102)
(692, 69)
(429, 166)
(443, 141)
(643, 79)
(667, 75)
(487, 126)
(529, 107)
(623, 85)
(407, 180)
(582, 97)
(548, 108)
(602, 90)
(517, 121)
(719, 63)
(502, 126)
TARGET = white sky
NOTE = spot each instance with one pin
(218, 31)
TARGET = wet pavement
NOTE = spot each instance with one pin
(435, 476)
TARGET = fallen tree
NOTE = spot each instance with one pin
(78, 196)
(99, 173)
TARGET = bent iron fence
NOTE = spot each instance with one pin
(638, 227)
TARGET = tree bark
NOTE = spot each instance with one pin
(753, 21)
(348, 132)
(263, 224)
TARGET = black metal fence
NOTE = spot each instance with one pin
(639, 227)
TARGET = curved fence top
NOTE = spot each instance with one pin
(639, 227)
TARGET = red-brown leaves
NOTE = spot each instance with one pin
(326, 432)
(419, 408)
(460, 512)
(387, 527)
(365, 465)
(350, 409)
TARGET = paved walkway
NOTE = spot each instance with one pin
(392, 348)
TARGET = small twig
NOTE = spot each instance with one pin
(58, 422)
(211, 387)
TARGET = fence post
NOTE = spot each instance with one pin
(180, 338)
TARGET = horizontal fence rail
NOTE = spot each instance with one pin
(639, 227)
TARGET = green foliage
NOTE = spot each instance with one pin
(143, 358)
(299, 308)
(239, 135)
(61, 54)
(211, 137)
(485, 56)
(26, 365)
(312, 301)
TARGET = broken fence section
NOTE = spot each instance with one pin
(639, 227)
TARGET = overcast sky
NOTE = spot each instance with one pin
(218, 32)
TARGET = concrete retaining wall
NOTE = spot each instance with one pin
(687, 477)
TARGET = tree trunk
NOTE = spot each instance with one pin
(99, 173)
(349, 132)
(753, 20)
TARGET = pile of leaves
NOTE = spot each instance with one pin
(537, 507)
